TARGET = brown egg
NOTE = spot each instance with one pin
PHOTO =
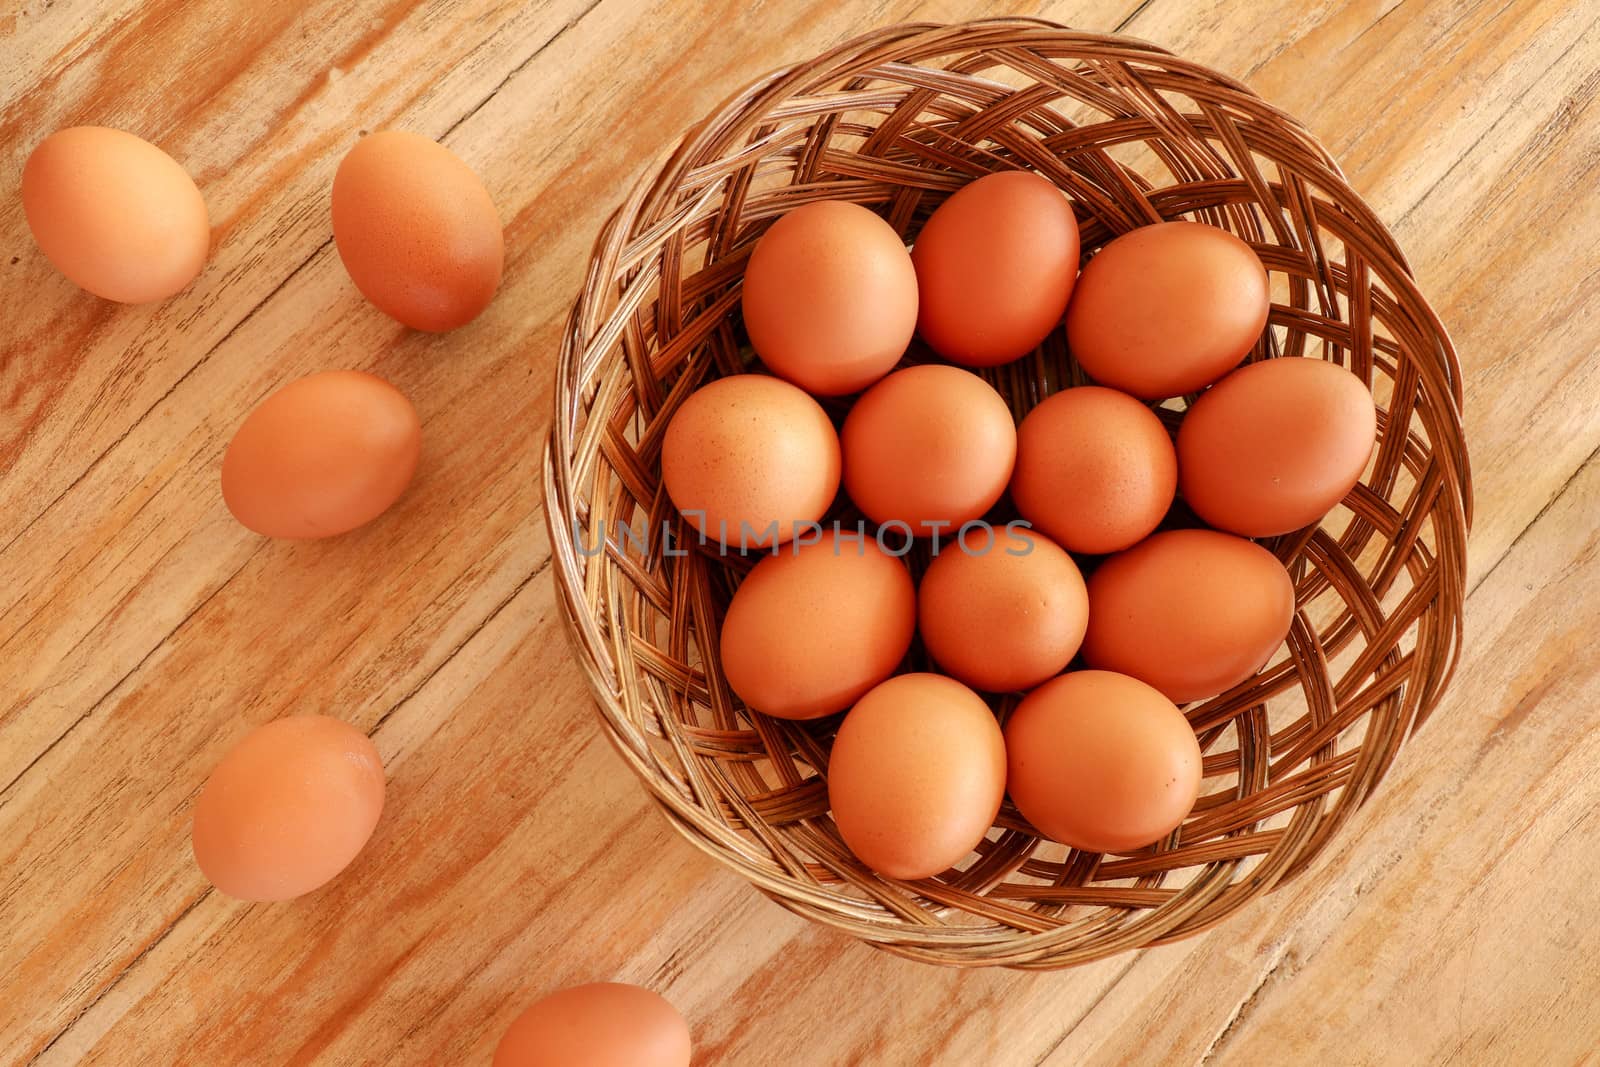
(1002, 609)
(1191, 612)
(1095, 469)
(321, 456)
(115, 214)
(750, 460)
(1168, 309)
(830, 298)
(817, 625)
(1101, 762)
(288, 808)
(930, 446)
(416, 230)
(916, 775)
(603, 1024)
(995, 265)
(1275, 445)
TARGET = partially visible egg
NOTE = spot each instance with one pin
(750, 460)
(1095, 469)
(321, 456)
(602, 1024)
(288, 808)
(929, 446)
(830, 297)
(1191, 612)
(1275, 445)
(815, 626)
(1167, 309)
(115, 214)
(995, 265)
(1002, 608)
(416, 230)
(916, 775)
(1101, 762)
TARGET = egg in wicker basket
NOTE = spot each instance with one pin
(896, 121)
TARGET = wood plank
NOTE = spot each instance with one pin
(1471, 230)
(147, 631)
(412, 586)
(1463, 123)
(1451, 920)
(99, 527)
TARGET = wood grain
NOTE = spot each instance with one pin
(142, 631)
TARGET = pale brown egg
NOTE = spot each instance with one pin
(1101, 762)
(416, 230)
(115, 214)
(1095, 469)
(289, 807)
(602, 1024)
(815, 626)
(1167, 309)
(321, 456)
(1191, 612)
(1275, 445)
(830, 297)
(930, 447)
(995, 266)
(750, 460)
(916, 775)
(1002, 609)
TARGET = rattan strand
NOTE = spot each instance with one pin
(896, 120)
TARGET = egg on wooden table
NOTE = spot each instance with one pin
(1095, 469)
(1101, 762)
(1002, 608)
(416, 230)
(916, 775)
(115, 214)
(813, 627)
(1275, 445)
(750, 460)
(1166, 310)
(995, 266)
(601, 1024)
(1190, 612)
(321, 456)
(930, 447)
(830, 297)
(288, 808)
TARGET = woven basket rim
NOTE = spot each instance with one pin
(741, 112)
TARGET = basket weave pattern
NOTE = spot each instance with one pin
(897, 120)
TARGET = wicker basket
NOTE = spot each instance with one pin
(897, 120)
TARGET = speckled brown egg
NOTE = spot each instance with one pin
(1095, 469)
(995, 266)
(1275, 445)
(1101, 762)
(1191, 612)
(929, 447)
(288, 808)
(416, 230)
(750, 460)
(815, 626)
(321, 456)
(601, 1024)
(1166, 310)
(830, 297)
(115, 214)
(1002, 608)
(916, 775)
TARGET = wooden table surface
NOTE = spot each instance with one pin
(142, 631)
